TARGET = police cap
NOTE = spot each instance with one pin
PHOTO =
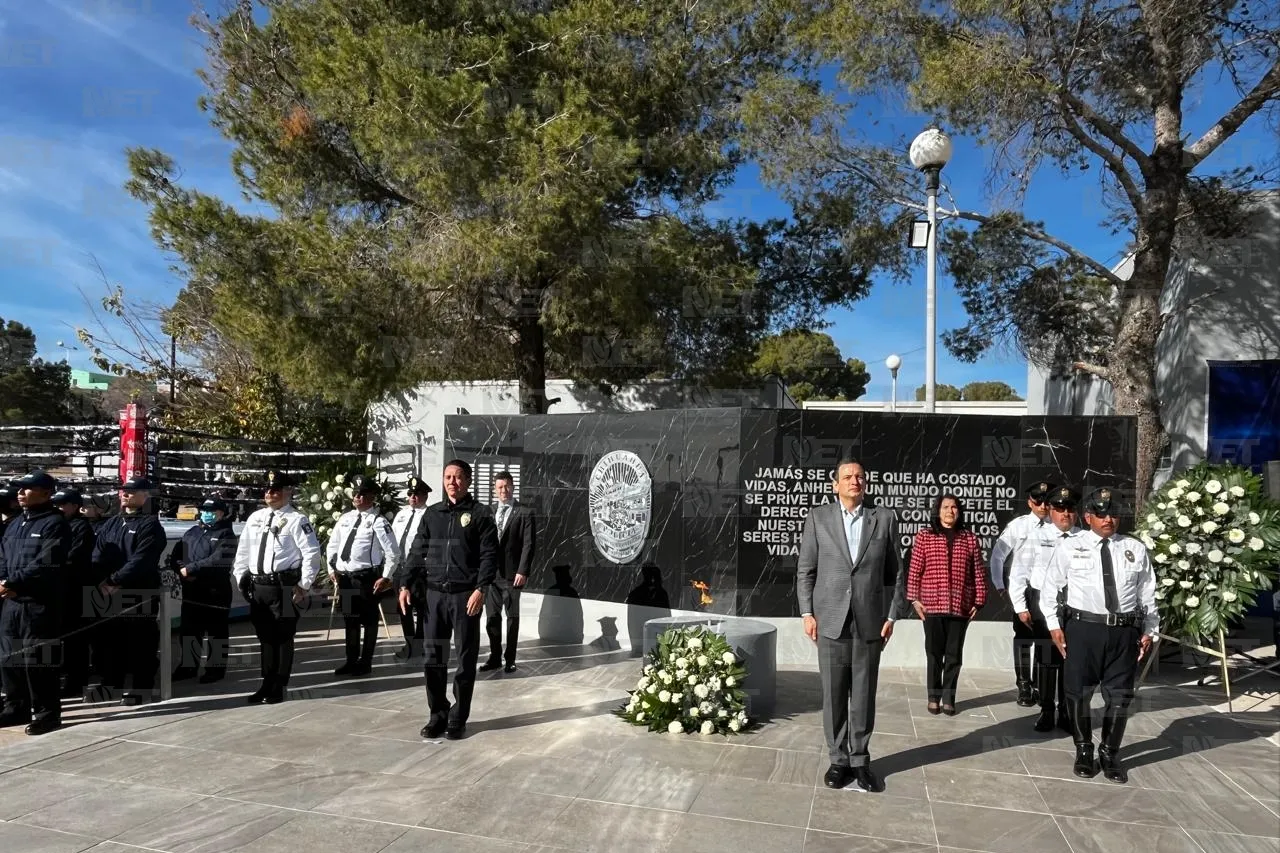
(137, 484)
(362, 485)
(1039, 491)
(213, 503)
(8, 494)
(279, 480)
(418, 486)
(1064, 498)
(67, 496)
(37, 479)
(1102, 501)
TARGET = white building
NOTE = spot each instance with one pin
(1222, 306)
(1010, 408)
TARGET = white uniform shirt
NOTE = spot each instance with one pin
(373, 545)
(1077, 564)
(292, 544)
(1015, 542)
(405, 526)
(1040, 547)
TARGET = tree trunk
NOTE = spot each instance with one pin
(1133, 382)
(531, 363)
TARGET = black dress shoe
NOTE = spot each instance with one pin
(362, 668)
(347, 668)
(274, 698)
(43, 727)
(1084, 766)
(132, 698)
(933, 708)
(434, 729)
(509, 668)
(949, 710)
(838, 775)
(1112, 769)
(1026, 698)
(257, 697)
(865, 779)
(455, 732)
(490, 665)
(1045, 722)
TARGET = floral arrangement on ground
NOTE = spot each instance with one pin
(692, 682)
(1214, 540)
(326, 495)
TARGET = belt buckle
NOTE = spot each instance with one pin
(1112, 620)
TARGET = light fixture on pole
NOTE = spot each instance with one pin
(893, 362)
(66, 352)
(929, 152)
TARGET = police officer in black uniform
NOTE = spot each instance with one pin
(126, 559)
(451, 563)
(203, 560)
(9, 508)
(1107, 626)
(79, 585)
(33, 558)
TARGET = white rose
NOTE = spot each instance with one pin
(324, 487)
(707, 708)
(693, 679)
(1193, 547)
(1148, 541)
(315, 499)
(665, 676)
(1184, 565)
(694, 643)
(640, 717)
(333, 494)
(1236, 491)
(1209, 526)
(722, 713)
(1164, 537)
(1192, 497)
(1167, 582)
(644, 682)
(676, 728)
(1183, 521)
(314, 519)
(1199, 512)
(1182, 484)
(1174, 494)
(729, 658)
(1254, 518)
(715, 682)
(1162, 506)
(1152, 518)
(1175, 548)
(1220, 508)
(328, 505)
(1235, 536)
(1255, 543)
(1228, 595)
(730, 681)
(1192, 601)
(734, 726)
(682, 663)
(1213, 487)
(708, 727)
(664, 697)
(742, 717)
(1185, 584)
(652, 688)
(1226, 561)
(676, 698)
(701, 691)
(693, 712)
(336, 515)
(349, 492)
(702, 660)
(340, 479)
(1162, 558)
(1158, 526)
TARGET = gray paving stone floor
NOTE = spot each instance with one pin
(545, 766)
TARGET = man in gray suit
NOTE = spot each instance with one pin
(851, 587)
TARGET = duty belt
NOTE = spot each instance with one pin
(1110, 619)
(284, 576)
(359, 573)
(451, 587)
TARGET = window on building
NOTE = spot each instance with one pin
(484, 472)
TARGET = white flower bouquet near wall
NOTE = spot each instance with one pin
(1214, 540)
(692, 683)
(324, 497)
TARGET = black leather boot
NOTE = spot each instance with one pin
(1048, 679)
(1109, 749)
(1026, 696)
(1082, 734)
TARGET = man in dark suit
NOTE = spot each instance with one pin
(516, 541)
(850, 585)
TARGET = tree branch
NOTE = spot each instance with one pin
(1106, 128)
(1113, 161)
(1094, 369)
(1266, 89)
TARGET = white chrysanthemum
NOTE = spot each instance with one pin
(665, 676)
(664, 697)
(677, 698)
(1213, 487)
(1185, 584)
(1221, 508)
(1228, 595)
(1162, 506)
(722, 713)
(1167, 582)
(1148, 541)
(701, 691)
(693, 679)
(315, 499)
(1236, 491)
(324, 487)
(1158, 526)
(694, 643)
(1175, 548)
(1254, 518)
(1193, 601)
(734, 725)
(649, 669)
(730, 681)
(328, 505)
(333, 494)
(1175, 493)
(336, 515)
(1152, 518)
(1184, 521)
(729, 658)
(1193, 548)
(1209, 527)
(1192, 497)
(340, 478)
(651, 689)
(1235, 536)
(693, 711)
(682, 663)
(702, 660)
(676, 728)
(1184, 565)
(1183, 484)
(644, 682)
(1162, 558)
(1255, 544)
(1215, 556)
(708, 727)
(707, 708)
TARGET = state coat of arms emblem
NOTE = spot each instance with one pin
(620, 492)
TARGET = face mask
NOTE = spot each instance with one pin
(208, 517)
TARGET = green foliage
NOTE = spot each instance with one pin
(812, 367)
(945, 392)
(34, 391)
(998, 392)
(1214, 539)
(326, 494)
(691, 683)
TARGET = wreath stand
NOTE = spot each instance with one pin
(1221, 653)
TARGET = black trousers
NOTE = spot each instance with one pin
(502, 597)
(1024, 643)
(30, 662)
(1050, 677)
(1101, 656)
(275, 621)
(360, 609)
(125, 643)
(944, 651)
(77, 627)
(446, 617)
(206, 612)
(411, 620)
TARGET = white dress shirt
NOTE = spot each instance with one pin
(405, 526)
(373, 545)
(1040, 546)
(1013, 543)
(1077, 565)
(292, 545)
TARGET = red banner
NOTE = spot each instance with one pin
(133, 442)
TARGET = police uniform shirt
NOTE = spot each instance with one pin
(1013, 542)
(404, 527)
(374, 543)
(292, 544)
(1077, 564)
(1031, 572)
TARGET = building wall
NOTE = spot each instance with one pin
(1014, 408)
(409, 428)
(1222, 303)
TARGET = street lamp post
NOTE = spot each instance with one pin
(929, 152)
(893, 362)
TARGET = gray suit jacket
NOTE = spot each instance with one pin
(829, 584)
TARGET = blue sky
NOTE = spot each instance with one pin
(84, 79)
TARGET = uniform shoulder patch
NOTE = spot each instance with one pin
(306, 527)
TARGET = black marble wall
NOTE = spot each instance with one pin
(730, 488)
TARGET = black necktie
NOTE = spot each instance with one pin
(404, 537)
(351, 539)
(1109, 578)
(262, 545)
(1065, 535)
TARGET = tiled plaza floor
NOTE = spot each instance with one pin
(545, 766)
